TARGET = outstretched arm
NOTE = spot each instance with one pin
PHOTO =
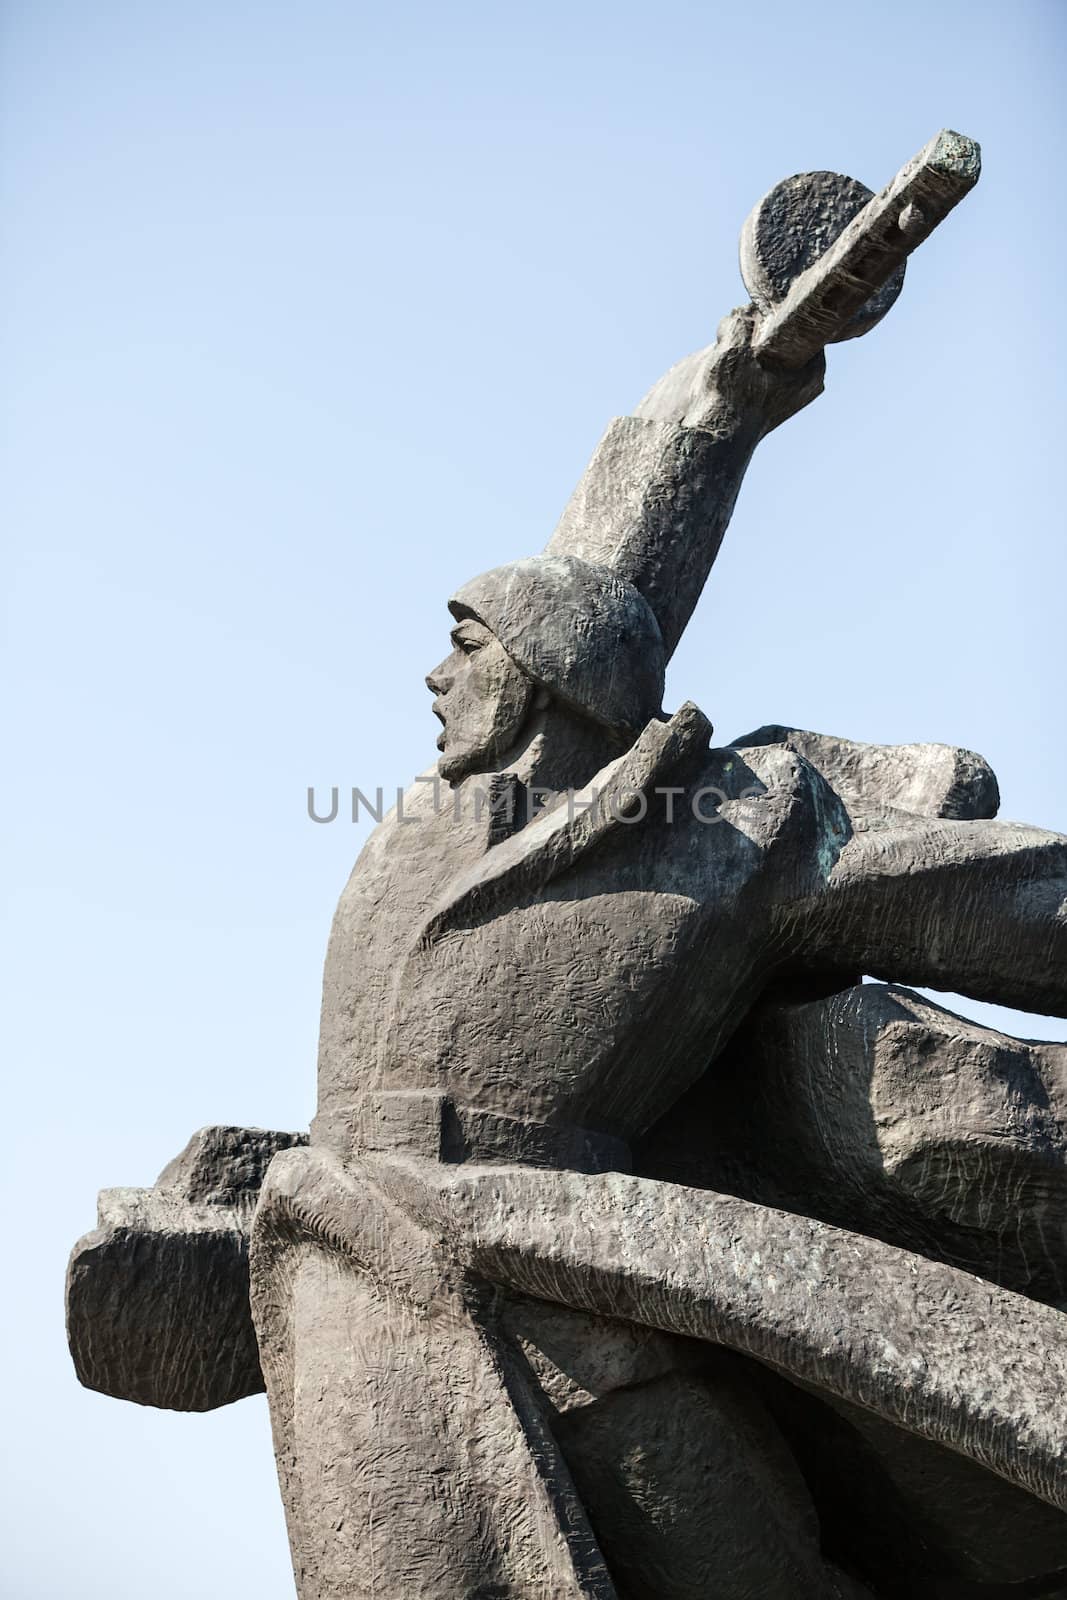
(979, 908)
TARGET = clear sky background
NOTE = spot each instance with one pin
(311, 312)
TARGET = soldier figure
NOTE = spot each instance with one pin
(532, 1317)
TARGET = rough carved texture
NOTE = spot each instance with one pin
(880, 1111)
(640, 1252)
(824, 298)
(157, 1294)
(790, 229)
(928, 780)
(675, 466)
(916, 1343)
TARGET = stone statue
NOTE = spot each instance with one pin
(638, 1248)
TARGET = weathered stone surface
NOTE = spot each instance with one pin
(921, 1520)
(942, 1521)
(944, 1354)
(672, 1449)
(880, 1111)
(222, 1166)
(500, 1364)
(823, 300)
(157, 1294)
(790, 229)
(577, 630)
(666, 478)
(440, 942)
(929, 780)
(711, 1498)
(937, 1352)
(414, 1459)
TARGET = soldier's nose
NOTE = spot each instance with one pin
(436, 681)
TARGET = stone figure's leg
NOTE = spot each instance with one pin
(688, 1482)
(412, 1462)
(913, 1516)
(977, 907)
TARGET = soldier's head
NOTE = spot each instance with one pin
(550, 631)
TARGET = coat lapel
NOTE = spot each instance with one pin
(527, 860)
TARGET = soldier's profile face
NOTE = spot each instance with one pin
(482, 698)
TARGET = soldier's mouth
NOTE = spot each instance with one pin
(439, 714)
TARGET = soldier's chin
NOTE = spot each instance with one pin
(455, 765)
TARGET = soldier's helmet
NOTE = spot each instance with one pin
(585, 634)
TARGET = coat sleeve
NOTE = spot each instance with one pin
(977, 907)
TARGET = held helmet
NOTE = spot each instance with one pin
(587, 636)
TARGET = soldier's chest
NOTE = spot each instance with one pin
(577, 999)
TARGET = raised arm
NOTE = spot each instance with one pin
(659, 492)
(823, 259)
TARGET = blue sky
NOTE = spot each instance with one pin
(310, 313)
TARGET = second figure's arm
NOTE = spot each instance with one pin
(979, 908)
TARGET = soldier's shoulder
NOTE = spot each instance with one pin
(933, 780)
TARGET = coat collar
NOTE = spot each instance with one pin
(525, 861)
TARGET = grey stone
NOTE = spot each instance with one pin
(947, 1522)
(157, 1294)
(789, 230)
(947, 1357)
(880, 1111)
(823, 301)
(711, 1499)
(532, 1317)
(577, 630)
(656, 499)
(931, 780)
